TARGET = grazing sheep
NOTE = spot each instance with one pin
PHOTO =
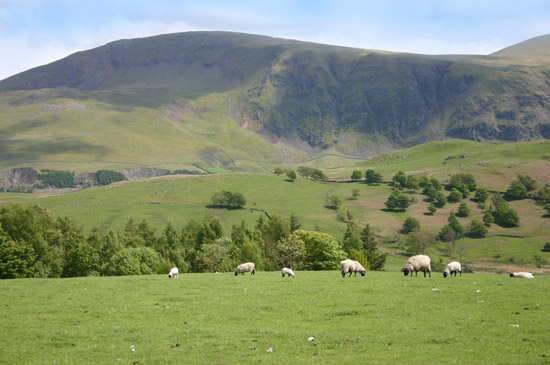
(418, 263)
(248, 267)
(451, 268)
(173, 273)
(288, 271)
(351, 266)
(525, 275)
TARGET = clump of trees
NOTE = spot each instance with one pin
(56, 179)
(106, 177)
(228, 199)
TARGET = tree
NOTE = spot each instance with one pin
(546, 247)
(481, 195)
(80, 260)
(16, 260)
(399, 179)
(432, 208)
(488, 218)
(291, 252)
(467, 180)
(397, 201)
(516, 191)
(455, 196)
(412, 182)
(410, 225)
(440, 199)
(294, 223)
(431, 193)
(333, 202)
(356, 175)
(291, 175)
(527, 181)
(452, 231)
(414, 244)
(463, 210)
(352, 238)
(322, 251)
(355, 193)
(505, 216)
(278, 171)
(544, 193)
(316, 174)
(373, 177)
(213, 254)
(228, 199)
(477, 229)
(376, 259)
(304, 171)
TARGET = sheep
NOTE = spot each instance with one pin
(525, 275)
(451, 268)
(351, 266)
(288, 271)
(242, 268)
(173, 273)
(417, 263)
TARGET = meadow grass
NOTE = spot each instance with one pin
(219, 318)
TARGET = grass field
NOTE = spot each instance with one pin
(219, 318)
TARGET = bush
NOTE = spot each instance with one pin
(455, 196)
(477, 229)
(516, 191)
(373, 177)
(397, 201)
(546, 247)
(463, 210)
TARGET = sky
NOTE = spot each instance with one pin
(37, 32)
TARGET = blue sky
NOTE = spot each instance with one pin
(37, 32)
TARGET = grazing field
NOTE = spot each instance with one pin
(219, 318)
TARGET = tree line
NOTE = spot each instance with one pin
(34, 243)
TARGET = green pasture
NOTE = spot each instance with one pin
(219, 318)
(178, 199)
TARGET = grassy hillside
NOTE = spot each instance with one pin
(208, 318)
(178, 199)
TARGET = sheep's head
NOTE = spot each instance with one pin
(445, 274)
(406, 271)
(363, 272)
(511, 275)
(236, 273)
(170, 275)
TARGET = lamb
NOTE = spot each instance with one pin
(525, 275)
(173, 273)
(351, 266)
(451, 268)
(247, 267)
(418, 263)
(288, 271)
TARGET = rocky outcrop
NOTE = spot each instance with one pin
(86, 178)
(19, 177)
(140, 173)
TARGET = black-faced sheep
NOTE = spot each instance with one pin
(248, 267)
(418, 263)
(173, 273)
(451, 268)
(525, 275)
(287, 271)
(351, 266)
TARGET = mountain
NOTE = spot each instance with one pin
(274, 100)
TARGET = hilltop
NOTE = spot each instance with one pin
(244, 102)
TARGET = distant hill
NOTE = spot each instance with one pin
(209, 92)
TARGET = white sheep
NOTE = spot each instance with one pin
(248, 267)
(351, 266)
(525, 275)
(418, 263)
(287, 271)
(451, 268)
(173, 273)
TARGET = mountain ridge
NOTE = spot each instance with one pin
(354, 101)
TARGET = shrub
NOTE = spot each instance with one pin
(397, 201)
(463, 210)
(373, 177)
(516, 191)
(356, 175)
(455, 196)
(477, 229)
(546, 247)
